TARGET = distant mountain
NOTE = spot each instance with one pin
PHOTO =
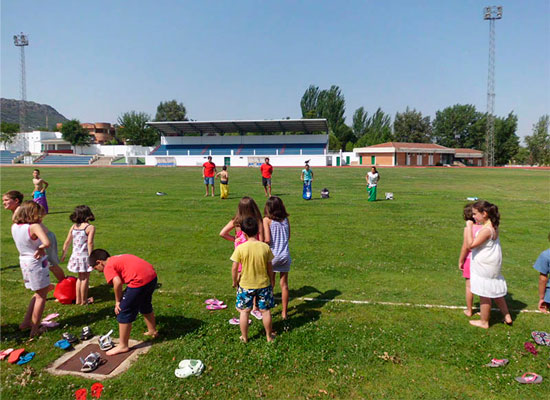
(35, 114)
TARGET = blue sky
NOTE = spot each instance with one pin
(250, 59)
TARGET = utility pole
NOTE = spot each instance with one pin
(21, 41)
(491, 14)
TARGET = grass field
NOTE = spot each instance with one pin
(343, 248)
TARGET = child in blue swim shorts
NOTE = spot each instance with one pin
(256, 278)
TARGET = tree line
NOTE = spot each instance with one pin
(457, 126)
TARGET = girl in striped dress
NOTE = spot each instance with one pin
(277, 235)
(81, 235)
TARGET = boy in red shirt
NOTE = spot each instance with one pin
(208, 171)
(141, 280)
(267, 170)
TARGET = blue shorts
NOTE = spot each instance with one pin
(209, 181)
(245, 298)
(136, 300)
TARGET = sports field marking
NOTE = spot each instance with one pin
(375, 303)
(388, 303)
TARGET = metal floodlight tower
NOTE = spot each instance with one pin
(21, 41)
(491, 14)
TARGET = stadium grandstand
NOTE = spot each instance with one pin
(287, 142)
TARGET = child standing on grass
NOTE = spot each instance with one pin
(247, 208)
(31, 242)
(141, 280)
(542, 265)
(487, 281)
(465, 258)
(12, 200)
(277, 235)
(256, 280)
(81, 235)
(39, 193)
(224, 182)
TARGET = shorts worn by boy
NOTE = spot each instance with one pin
(255, 282)
(141, 280)
(543, 266)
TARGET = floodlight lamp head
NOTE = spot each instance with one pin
(487, 11)
(499, 12)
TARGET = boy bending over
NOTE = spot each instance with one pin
(542, 265)
(141, 280)
(256, 278)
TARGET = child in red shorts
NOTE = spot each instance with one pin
(141, 280)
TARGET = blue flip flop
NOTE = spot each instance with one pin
(63, 344)
(26, 358)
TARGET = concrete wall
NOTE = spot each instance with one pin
(245, 161)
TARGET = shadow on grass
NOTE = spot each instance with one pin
(59, 212)
(515, 306)
(171, 327)
(305, 312)
(12, 332)
(9, 267)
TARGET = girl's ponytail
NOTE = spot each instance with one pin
(493, 215)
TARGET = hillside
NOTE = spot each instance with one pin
(35, 113)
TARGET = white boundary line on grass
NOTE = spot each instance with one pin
(380, 303)
(388, 303)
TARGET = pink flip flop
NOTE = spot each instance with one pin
(496, 362)
(50, 317)
(50, 324)
(5, 353)
(530, 347)
(216, 306)
(214, 302)
(236, 321)
(529, 377)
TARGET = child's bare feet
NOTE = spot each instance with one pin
(271, 338)
(153, 334)
(117, 350)
(508, 320)
(25, 327)
(480, 324)
(38, 331)
(243, 339)
(90, 300)
(468, 313)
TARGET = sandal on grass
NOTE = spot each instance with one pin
(529, 377)
(90, 363)
(5, 353)
(14, 355)
(256, 314)
(49, 324)
(105, 341)
(530, 348)
(97, 388)
(186, 368)
(236, 321)
(495, 362)
(216, 306)
(81, 394)
(69, 337)
(26, 358)
(63, 344)
(50, 317)
(86, 333)
(213, 301)
(541, 338)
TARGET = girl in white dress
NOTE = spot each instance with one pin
(486, 279)
(81, 235)
(31, 242)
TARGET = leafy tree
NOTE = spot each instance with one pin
(332, 106)
(506, 141)
(308, 104)
(459, 126)
(522, 156)
(334, 143)
(360, 122)
(133, 129)
(8, 132)
(411, 126)
(538, 144)
(350, 146)
(75, 134)
(171, 111)
(378, 130)
(345, 135)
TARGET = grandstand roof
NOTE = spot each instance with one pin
(181, 128)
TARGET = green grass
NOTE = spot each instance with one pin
(343, 248)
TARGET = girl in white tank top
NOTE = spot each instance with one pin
(31, 242)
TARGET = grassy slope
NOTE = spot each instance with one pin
(343, 248)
